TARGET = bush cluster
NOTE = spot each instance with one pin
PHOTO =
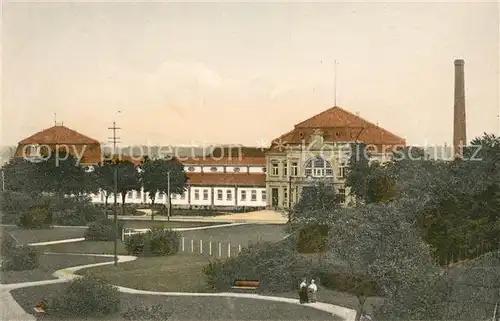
(17, 257)
(38, 216)
(86, 297)
(279, 268)
(156, 242)
(103, 230)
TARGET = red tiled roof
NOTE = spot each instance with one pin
(223, 161)
(239, 179)
(58, 135)
(339, 124)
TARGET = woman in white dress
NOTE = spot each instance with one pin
(312, 289)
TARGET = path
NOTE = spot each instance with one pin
(13, 311)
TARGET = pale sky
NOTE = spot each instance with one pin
(183, 73)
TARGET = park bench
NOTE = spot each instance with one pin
(40, 307)
(246, 285)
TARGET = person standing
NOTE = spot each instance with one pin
(303, 291)
(312, 289)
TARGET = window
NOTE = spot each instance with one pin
(183, 195)
(205, 194)
(34, 150)
(263, 169)
(191, 168)
(264, 195)
(196, 194)
(341, 195)
(161, 195)
(342, 170)
(138, 195)
(285, 195)
(254, 195)
(294, 169)
(275, 169)
(130, 194)
(243, 195)
(213, 169)
(285, 169)
(236, 169)
(219, 195)
(229, 195)
(318, 167)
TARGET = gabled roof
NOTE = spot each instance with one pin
(338, 124)
(58, 135)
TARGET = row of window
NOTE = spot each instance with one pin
(220, 194)
(316, 168)
(215, 169)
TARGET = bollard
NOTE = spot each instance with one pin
(239, 248)
(123, 234)
(183, 244)
(210, 248)
(192, 246)
(201, 247)
(220, 249)
(228, 249)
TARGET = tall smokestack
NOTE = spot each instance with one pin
(459, 118)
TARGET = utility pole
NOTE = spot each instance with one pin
(289, 198)
(3, 180)
(114, 140)
(169, 209)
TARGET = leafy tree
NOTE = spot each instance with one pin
(104, 176)
(21, 176)
(375, 243)
(358, 171)
(316, 205)
(128, 179)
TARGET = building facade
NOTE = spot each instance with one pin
(318, 150)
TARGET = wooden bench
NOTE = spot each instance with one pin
(245, 285)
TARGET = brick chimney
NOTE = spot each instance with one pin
(459, 118)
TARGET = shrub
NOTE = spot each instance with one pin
(13, 203)
(87, 297)
(312, 239)
(38, 216)
(17, 257)
(74, 211)
(338, 279)
(145, 313)
(103, 230)
(156, 242)
(134, 244)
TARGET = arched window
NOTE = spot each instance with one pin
(318, 167)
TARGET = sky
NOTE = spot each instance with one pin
(199, 73)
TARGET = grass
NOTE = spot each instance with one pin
(25, 236)
(94, 247)
(185, 307)
(177, 273)
(49, 263)
(164, 224)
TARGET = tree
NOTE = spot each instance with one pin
(20, 175)
(358, 171)
(316, 205)
(128, 179)
(62, 174)
(104, 176)
(156, 174)
(375, 243)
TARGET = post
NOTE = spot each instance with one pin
(228, 249)
(182, 244)
(168, 197)
(192, 246)
(201, 246)
(3, 181)
(123, 235)
(115, 190)
(220, 249)
(210, 248)
(239, 248)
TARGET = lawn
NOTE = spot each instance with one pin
(188, 308)
(49, 263)
(87, 247)
(165, 224)
(25, 236)
(177, 273)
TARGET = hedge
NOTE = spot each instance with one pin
(156, 242)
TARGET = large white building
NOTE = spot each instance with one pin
(317, 149)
